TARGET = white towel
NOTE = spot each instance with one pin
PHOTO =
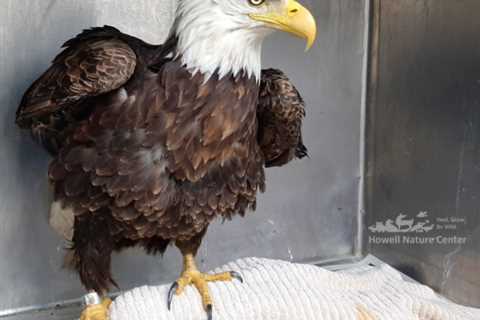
(277, 290)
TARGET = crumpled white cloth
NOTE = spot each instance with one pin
(277, 290)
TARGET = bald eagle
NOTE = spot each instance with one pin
(151, 143)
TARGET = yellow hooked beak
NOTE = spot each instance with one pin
(295, 19)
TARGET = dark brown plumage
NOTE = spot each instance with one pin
(281, 110)
(145, 153)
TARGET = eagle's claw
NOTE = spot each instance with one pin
(209, 310)
(237, 276)
(171, 294)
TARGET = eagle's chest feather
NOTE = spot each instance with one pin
(206, 126)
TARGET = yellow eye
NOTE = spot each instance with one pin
(256, 2)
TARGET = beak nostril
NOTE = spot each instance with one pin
(294, 11)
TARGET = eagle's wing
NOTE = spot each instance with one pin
(281, 110)
(93, 63)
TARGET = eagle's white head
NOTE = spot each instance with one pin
(226, 36)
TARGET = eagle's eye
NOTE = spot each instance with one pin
(256, 2)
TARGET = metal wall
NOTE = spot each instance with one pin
(309, 211)
(424, 140)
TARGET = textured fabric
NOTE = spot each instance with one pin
(276, 290)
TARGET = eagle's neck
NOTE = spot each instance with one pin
(215, 46)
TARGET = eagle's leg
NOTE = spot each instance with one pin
(192, 276)
(91, 251)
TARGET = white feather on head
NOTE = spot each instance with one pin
(218, 36)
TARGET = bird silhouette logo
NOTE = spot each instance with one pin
(403, 224)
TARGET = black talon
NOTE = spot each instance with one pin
(237, 276)
(171, 293)
(209, 312)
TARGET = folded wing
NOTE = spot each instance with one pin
(281, 110)
(94, 63)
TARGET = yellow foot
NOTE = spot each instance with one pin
(97, 311)
(191, 276)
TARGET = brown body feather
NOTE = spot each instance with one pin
(145, 153)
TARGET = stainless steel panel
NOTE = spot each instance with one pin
(309, 211)
(424, 139)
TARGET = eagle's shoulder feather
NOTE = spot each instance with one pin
(281, 110)
(95, 62)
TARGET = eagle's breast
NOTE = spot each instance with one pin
(208, 125)
(165, 154)
(210, 138)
